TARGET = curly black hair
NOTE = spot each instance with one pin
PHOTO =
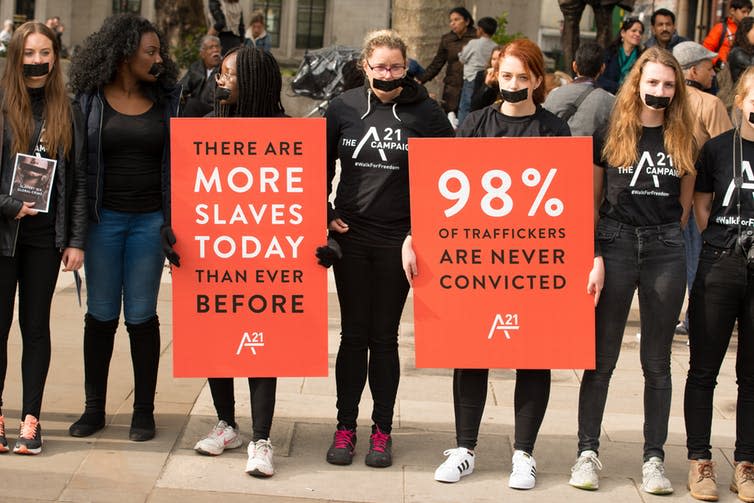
(96, 63)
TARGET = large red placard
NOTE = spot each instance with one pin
(248, 211)
(503, 233)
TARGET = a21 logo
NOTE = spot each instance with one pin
(252, 341)
(505, 322)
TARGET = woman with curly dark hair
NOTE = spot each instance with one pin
(248, 85)
(39, 122)
(125, 82)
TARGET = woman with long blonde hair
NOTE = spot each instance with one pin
(38, 229)
(643, 185)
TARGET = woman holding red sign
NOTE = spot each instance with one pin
(521, 77)
(248, 85)
(643, 184)
(368, 129)
(39, 122)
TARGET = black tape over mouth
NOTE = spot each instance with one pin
(156, 70)
(37, 70)
(514, 96)
(222, 93)
(387, 85)
(657, 102)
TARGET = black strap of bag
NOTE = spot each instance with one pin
(573, 107)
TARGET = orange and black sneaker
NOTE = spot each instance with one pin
(30, 438)
(3, 440)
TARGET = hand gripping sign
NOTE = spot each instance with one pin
(503, 233)
(248, 211)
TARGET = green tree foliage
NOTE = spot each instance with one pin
(184, 23)
(502, 36)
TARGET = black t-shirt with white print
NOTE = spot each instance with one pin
(371, 140)
(715, 174)
(646, 193)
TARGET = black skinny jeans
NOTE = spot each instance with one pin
(529, 403)
(654, 260)
(723, 292)
(372, 290)
(35, 271)
(262, 394)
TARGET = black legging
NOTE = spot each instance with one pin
(262, 391)
(35, 271)
(530, 403)
(372, 290)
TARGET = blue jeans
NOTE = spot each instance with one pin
(464, 105)
(652, 259)
(124, 260)
(693, 240)
(723, 293)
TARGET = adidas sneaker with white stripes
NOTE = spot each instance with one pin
(523, 471)
(460, 463)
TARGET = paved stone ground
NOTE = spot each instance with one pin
(108, 467)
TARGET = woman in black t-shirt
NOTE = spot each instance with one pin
(521, 78)
(723, 293)
(125, 82)
(643, 182)
(37, 121)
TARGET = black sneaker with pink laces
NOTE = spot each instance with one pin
(380, 453)
(343, 447)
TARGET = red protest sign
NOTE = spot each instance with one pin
(248, 211)
(503, 233)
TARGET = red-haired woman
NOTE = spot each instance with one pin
(37, 117)
(521, 77)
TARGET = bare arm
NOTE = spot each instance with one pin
(599, 190)
(687, 195)
(702, 209)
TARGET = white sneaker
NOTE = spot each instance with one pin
(523, 471)
(260, 459)
(653, 480)
(460, 463)
(584, 473)
(221, 437)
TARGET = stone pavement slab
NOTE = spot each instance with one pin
(107, 467)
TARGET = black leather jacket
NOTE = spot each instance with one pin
(70, 213)
(738, 61)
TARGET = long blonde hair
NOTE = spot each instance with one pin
(16, 104)
(624, 131)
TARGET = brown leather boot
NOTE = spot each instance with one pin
(702, 484)
(743, 481)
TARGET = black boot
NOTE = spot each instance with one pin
(145, 355)
(99, 337)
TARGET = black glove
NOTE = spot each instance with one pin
(168, 240)
(327, 255)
